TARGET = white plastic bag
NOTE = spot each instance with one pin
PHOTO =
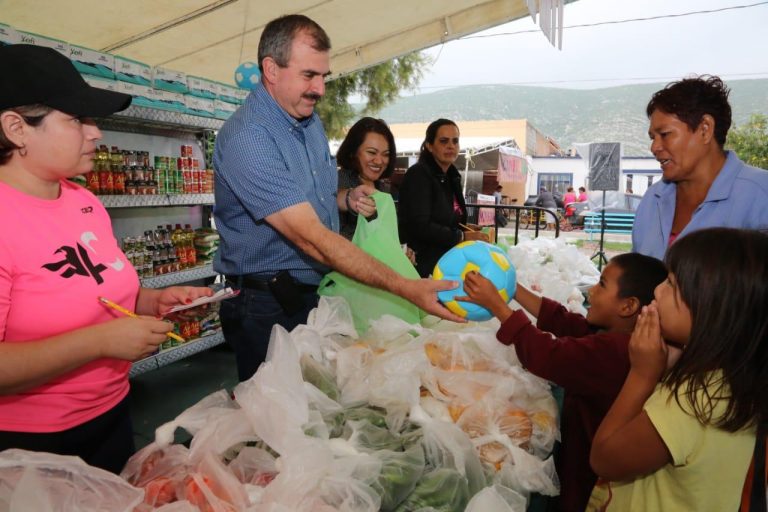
(196, 417)
(497, 498)
(45, 482)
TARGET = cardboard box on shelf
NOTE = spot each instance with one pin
(142, 96)
(101, 83)
(199, 106)
(30, 38)
(202, 88)
(169, 80)
(133, 71)
(8, 35)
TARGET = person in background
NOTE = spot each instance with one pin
(366, 155)
(432, 209)
(568, 199)
(582, 195)
(64, 356)
(500, 214)
(681, 433)
(497, 194)
(546, 199)
(277, 204)
(703, 185)
(587, 357)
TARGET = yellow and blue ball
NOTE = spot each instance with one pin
(486, 259)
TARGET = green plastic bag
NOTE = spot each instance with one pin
(380, 239)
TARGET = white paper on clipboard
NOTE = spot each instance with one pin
(223, 294)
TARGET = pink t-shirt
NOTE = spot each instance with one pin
(56, 258)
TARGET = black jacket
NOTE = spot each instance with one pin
(427, 221)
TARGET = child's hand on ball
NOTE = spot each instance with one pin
(481, 291)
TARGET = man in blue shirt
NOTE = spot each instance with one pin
(276, 203)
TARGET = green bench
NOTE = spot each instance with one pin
(614, 223)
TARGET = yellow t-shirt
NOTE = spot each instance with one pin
(708, 466)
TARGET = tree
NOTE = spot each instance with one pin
(380, 84)
(750, 141)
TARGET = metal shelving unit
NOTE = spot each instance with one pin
(174, 354)
(184, 276)
(184, 127)
(158, 122)
(125, 201)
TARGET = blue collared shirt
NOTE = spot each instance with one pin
(738, 198)
(266, 161)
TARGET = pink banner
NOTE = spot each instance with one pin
(512, 168)
(485, 215)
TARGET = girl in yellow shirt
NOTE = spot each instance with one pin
(681, 433)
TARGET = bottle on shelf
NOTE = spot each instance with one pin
(106, 185)
(116, 168)
(92, 176)
(177, 237)
(160, 254)
(189, 245)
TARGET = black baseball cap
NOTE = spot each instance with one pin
(40, 75)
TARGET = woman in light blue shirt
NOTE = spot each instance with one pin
(703, 185)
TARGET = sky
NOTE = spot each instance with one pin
(730, 43)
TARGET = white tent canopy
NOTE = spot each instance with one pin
(210, 38)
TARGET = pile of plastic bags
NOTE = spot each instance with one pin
(430, 417)
(405, 418)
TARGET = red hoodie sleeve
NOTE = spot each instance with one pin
(554, 318)
(586, 364)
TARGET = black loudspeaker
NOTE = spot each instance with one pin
(604, 165)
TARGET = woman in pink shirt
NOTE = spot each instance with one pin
(64, 357)
(568, 199)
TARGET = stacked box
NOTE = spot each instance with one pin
(168, 100)
(101, 83)
(91, 62)
(143, 96)
(132, 71)
(202, 87)
(29, 38)
(200, 106)
(228, 93)
(169, 80)
(223, 109)
(241, 94)
(8, 35)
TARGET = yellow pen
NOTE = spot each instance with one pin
(118, 307)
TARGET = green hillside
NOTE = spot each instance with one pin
(566, 115)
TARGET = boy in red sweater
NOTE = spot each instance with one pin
(587, 357)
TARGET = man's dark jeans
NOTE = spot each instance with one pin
(247, 322)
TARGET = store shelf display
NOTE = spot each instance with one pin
(156, 200)
(177, 353)
(179, 186)
(183, 276)
(136, 118)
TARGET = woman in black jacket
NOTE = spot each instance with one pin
(432, 204)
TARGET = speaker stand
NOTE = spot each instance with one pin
(600, 254)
